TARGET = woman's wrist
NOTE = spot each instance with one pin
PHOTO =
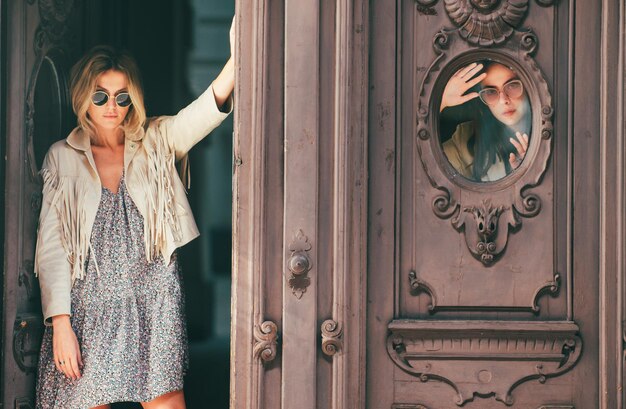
(224, 84)
(60, 320)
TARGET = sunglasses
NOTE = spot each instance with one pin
(491, 96)
(100, 98)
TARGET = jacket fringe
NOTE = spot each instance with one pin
(68, 200)
(161, 213)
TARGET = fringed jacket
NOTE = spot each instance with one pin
(72, 190)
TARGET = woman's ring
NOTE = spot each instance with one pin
(61, 362)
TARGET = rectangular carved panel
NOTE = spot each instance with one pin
(483, 357)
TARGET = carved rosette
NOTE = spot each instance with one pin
(332, 332)
(299, 264)
(484, 357)
(266, 339)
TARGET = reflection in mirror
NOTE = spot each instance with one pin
(485, 121)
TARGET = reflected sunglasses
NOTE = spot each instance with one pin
(100, 98)
(491, 96)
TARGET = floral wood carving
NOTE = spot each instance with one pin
(266, 339)
(299, 264)
(484, 357)
(332, 334)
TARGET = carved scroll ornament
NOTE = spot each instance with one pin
(266, 340)
(332, 342)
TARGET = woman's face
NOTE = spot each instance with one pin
(110, 115)
(508, 110)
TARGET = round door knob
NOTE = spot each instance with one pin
(299, 264)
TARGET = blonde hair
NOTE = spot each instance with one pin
(84, 79)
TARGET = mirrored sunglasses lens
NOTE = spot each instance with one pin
(99, 98)
(123, 99)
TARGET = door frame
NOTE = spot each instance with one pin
(263, 175)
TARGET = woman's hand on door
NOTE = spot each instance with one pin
(459, 83)
(67, 356)
(521, 145)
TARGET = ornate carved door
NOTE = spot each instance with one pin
(41, 40)
(492, 290)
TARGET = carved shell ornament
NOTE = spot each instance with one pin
(486, 22)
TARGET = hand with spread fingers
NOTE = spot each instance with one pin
(521, 145)
(67, 356)
(459, 84)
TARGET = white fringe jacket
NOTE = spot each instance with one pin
(72, 190)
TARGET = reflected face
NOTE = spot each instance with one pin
(510, 106)
(110, 115)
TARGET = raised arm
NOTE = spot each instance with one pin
(183, 130)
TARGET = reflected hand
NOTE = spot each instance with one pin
(66, 351)
(458, 85)
(521, 145)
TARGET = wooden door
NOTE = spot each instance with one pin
(504, 293)
(41, 40)
(368, 271)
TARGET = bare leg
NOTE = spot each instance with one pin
(172, 400)
(107, 406)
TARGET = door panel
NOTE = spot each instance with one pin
(474, 286)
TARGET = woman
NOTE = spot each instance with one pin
(493, 144)
(114, 211)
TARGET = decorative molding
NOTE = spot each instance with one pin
(484, 357)
(53, 27)
(416, 285)
(556, 407)
(486, 225)
(550, 287)
(299, 264)
(266, 340)
(332, 337)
